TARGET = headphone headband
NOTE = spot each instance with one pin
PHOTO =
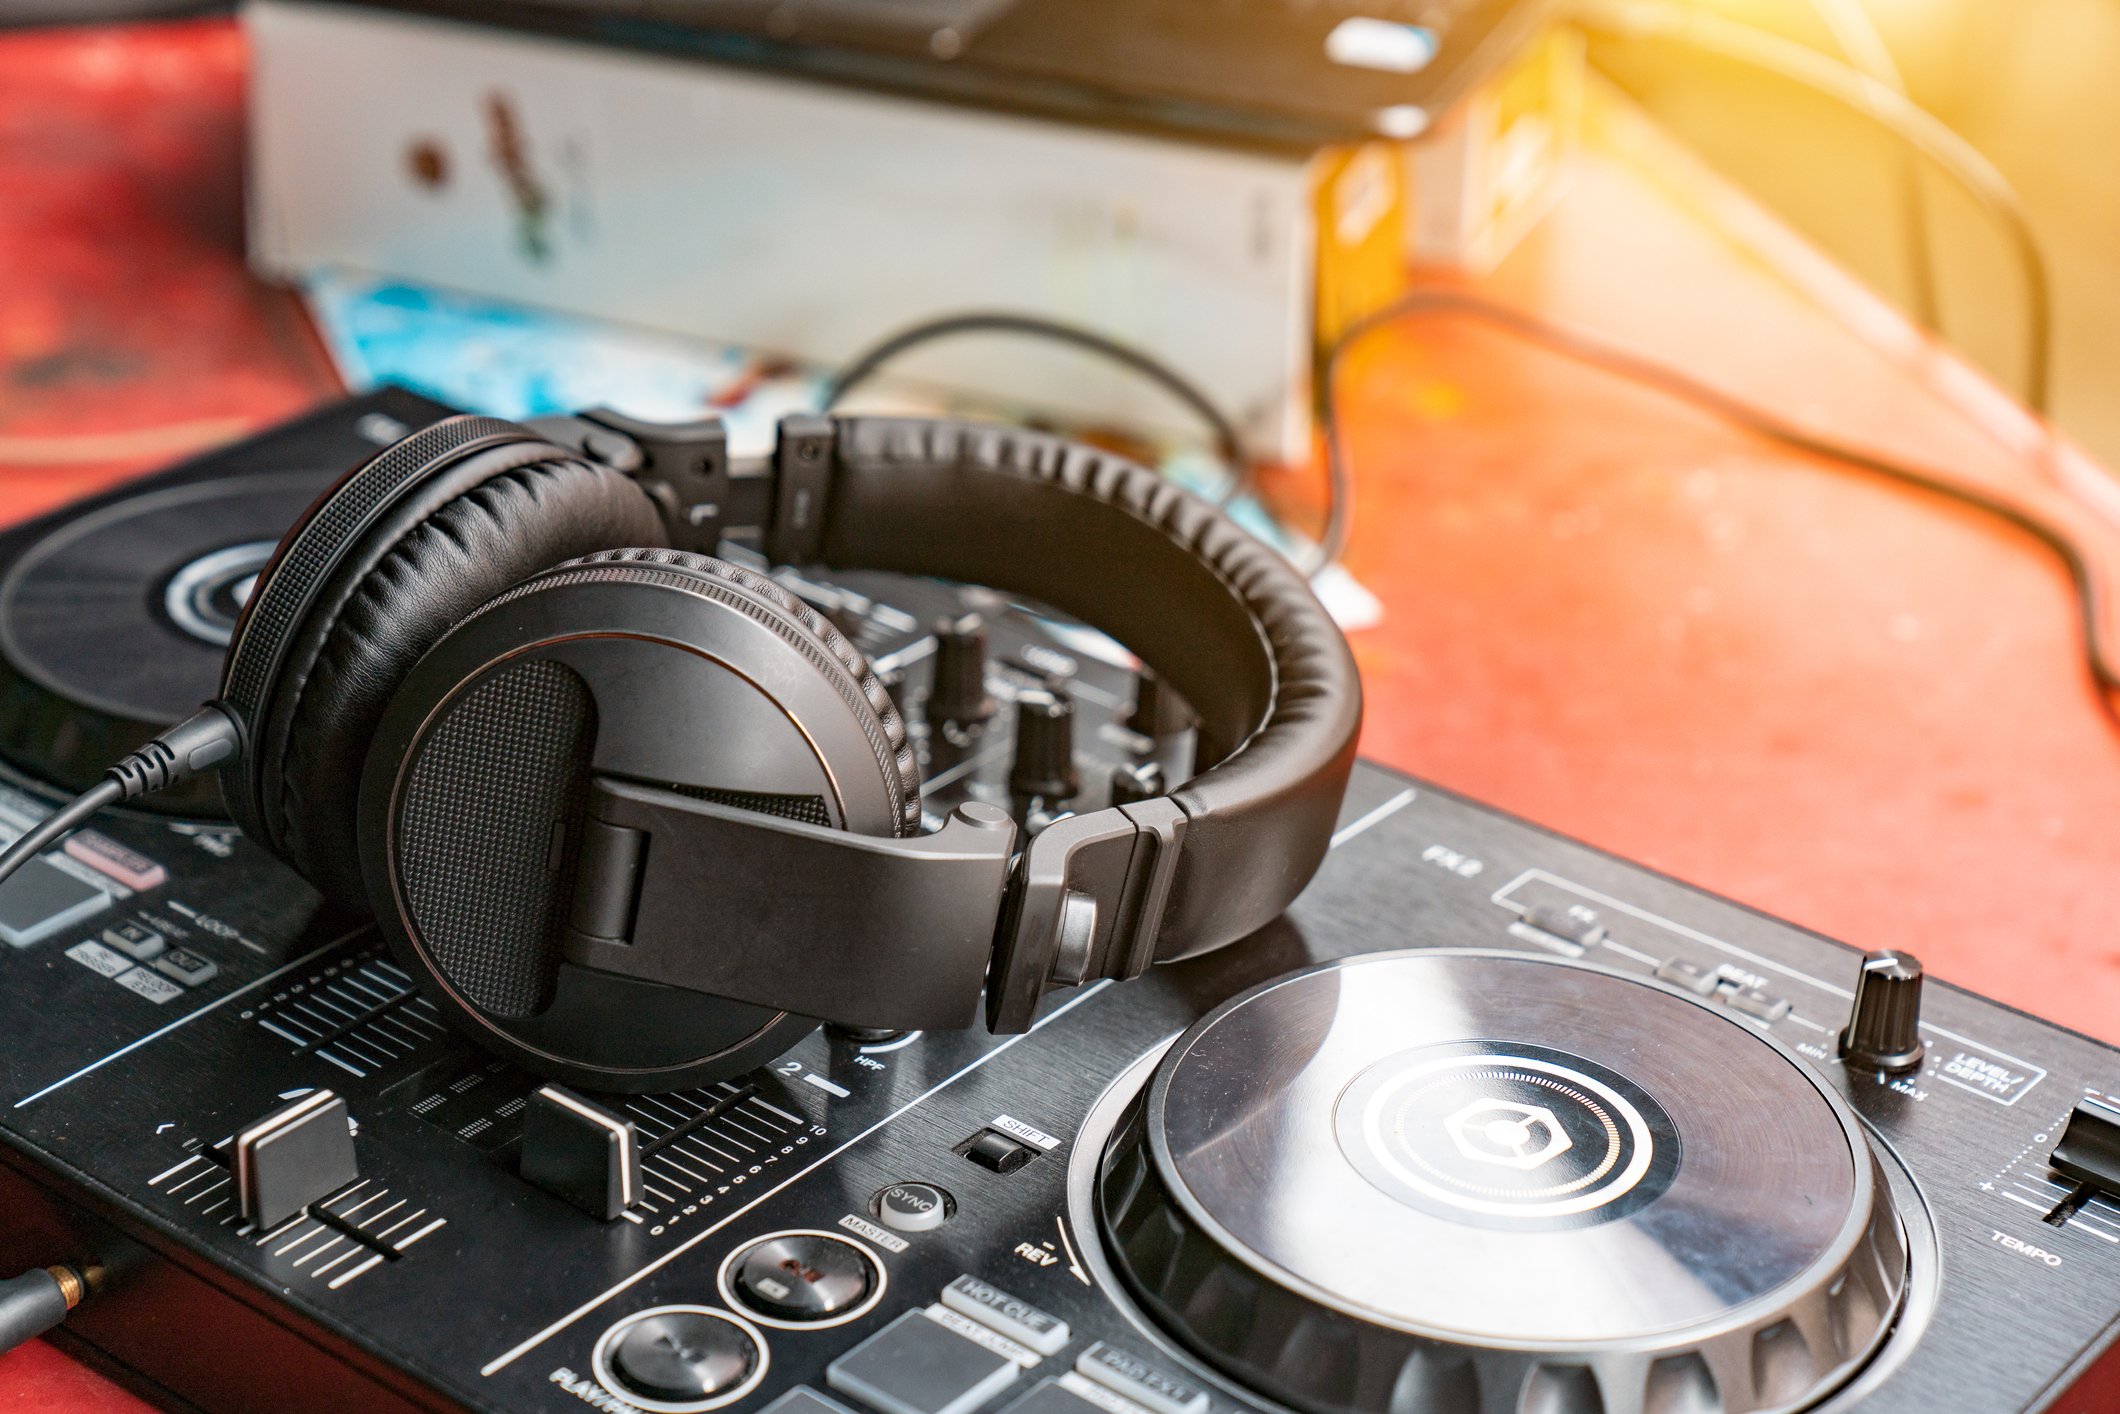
(1227, 622)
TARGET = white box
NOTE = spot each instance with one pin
(778, 213)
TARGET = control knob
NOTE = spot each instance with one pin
(957, 695)
(1044, 767)
(1136, 782)
(1157, 712)
(1884, 1025)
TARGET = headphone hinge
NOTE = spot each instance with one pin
(1087, 900)
(802, 474)
(1151, 872)
(606, 880)
(685, 467)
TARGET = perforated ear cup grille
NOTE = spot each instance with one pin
(496, 785)
(397, 589)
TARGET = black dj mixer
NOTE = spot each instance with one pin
(1490, 1121)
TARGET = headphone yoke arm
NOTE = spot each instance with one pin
(810, 920)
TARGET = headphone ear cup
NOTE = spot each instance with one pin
(803, 623)
(382, 602)
(685, 675)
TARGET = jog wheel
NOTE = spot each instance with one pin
(1480, 1181)
(113, 624)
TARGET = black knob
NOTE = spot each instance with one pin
(1157, 712)
(1044, 768)
(863, 1035)
(957, 694)
(1139, 782)
(1884, 1031)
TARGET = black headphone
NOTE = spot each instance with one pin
(639, 818)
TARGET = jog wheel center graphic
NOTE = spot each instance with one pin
(1507, 1134)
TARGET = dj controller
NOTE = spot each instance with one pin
(1490, 1122)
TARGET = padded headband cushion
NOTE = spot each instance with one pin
(1227, 621)
(390, 597)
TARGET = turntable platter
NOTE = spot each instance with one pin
(1445, 1171)
(114, 621)
(155, 582)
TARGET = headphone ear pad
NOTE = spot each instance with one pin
(369, 626)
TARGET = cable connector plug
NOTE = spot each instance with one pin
(34, 1302)
(207, 739)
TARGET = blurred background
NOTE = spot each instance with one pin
(2029, 84)
(1728, 483)
(1664, 521)
(2026, 86)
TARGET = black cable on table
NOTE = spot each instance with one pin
(1864, 96)
(1597, 353)
(1229, 446)
(1862, 44)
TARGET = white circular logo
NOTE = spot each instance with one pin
(1508, 1133)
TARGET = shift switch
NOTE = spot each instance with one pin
(993, 1150)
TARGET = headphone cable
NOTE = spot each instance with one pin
(1228, 444)
(205, 741)
(1862, 44)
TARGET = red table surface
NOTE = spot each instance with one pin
(1833, 699)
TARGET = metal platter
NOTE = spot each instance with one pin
(1490, 1163)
